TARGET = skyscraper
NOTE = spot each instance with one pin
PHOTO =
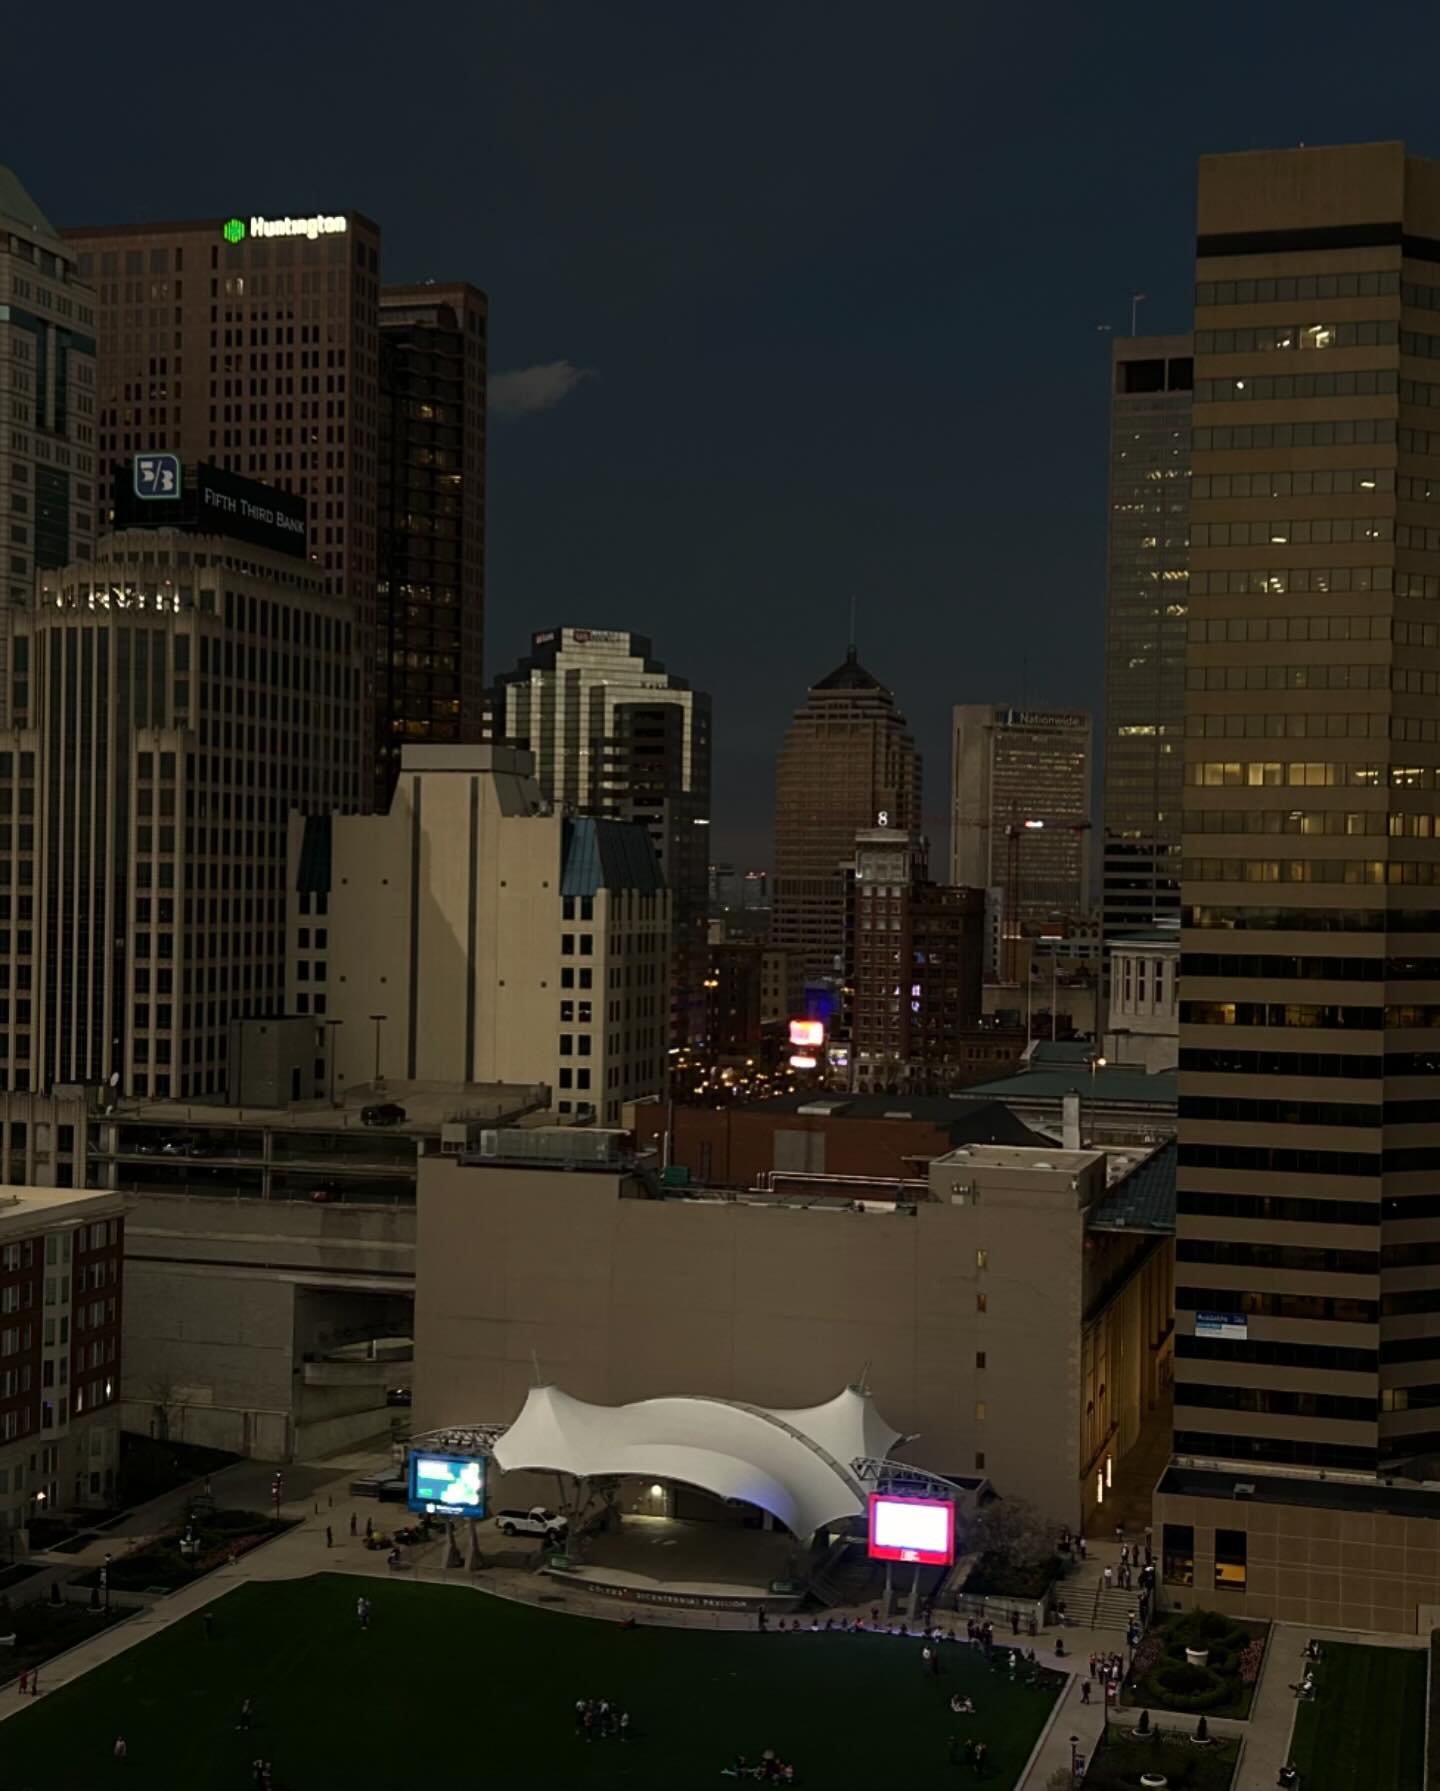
(47, 398)
(166, 703)
(252, 342)
(431, 608)
(1307, 1275)
(1020, 810)
(848, 762)
(1147, 575)
(615, 735)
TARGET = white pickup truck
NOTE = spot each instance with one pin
(537, 1521)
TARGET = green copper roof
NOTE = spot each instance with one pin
(17, 207)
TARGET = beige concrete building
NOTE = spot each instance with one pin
(1143, 1024)
(163, 706)
(48, 496)
(1006, 1317)
(475, 934)
(1308, 1238)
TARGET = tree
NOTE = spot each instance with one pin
(1012, 1531)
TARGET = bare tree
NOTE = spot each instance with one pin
(1011, 1531)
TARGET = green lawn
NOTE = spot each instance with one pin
(1366, 1730)
(447, 1679)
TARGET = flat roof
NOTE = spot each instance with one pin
(428, 1105)
(1028, 1159)
(1405, 1499)
(24, 1209)
(1118, 1085)
(1142, 1200)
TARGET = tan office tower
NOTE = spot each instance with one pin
(1308, 1241)
(431, 609)
(1025, 770)
(1147, 574)
(848, 762)
(47, 398)
(253, 343)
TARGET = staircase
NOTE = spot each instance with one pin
(1091, 1605)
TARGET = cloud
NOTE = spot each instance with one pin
(530, 389)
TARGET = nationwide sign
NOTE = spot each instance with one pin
(235, 230)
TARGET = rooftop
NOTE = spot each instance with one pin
(1407, 1499)
(25, 1209)
(986, 1120)
(849, 676)
(1117, 1084)
(1143, 1200)
(428, 1105)
(17, 207)
(1029, 1160)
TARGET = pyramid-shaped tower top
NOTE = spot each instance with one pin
(17, 207)
(849, 676)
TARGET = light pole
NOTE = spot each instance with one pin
(277, 1491)
(332, 1024)
(1074, 1755)
(105, 1582)
(379, 1020)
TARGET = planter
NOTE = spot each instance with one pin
(1154, 1781)
(1197, 1657)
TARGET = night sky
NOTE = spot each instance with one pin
(790, 303)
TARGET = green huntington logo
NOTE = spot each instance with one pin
(234, 231)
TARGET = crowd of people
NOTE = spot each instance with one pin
(769, 1769)
(601, 1719)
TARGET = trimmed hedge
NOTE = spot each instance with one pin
(1182, 1687)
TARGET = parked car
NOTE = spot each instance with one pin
(397, 1396)
(537, 1521)
(382, 1113)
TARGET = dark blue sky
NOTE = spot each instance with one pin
(832, 273)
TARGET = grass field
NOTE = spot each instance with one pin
(447, 1681)
(1366, 1730)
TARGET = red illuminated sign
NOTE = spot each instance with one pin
(920, 1530)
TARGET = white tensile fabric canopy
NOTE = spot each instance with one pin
(794, 1464)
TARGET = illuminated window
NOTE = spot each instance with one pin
(1230, 1560)
(982, 1259)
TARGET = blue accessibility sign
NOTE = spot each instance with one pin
(157, 475)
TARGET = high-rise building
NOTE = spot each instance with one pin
(1307, 1275)
(431, 610)
(476, 933)
(62, 1256)
(915, 974)
(48, 491)
(252, 343)
(1020, 810)
(166, 703)
(613, 734)
(848, 762)
(1147, 575)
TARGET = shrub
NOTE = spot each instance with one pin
(1202, 1730)
(1184, 1687)
(1251, 1659)
(1143, 1726)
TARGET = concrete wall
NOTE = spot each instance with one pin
(622, 1299)
(225, 1298)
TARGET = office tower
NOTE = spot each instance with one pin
(47, 398)
(915, 973)
(615, 735)
(848, 761)
(1020, 811)
(166, 702)
(1147, 574)
(62, 1267)
(474, 934)
(431, 608)
(252, 343)
(1307, 1290)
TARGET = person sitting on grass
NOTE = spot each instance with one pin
(962, 1706)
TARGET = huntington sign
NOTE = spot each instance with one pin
(235, 230)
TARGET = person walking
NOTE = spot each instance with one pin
(1084, 1548)
(369, 1528)
(352, 1523)
(329, 1537)
(119, 1749)
(1084, 1691)
(247, 1715)
(209, 1622)
(1109, 1576)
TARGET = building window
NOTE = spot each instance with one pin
(981, 1304)
(979, 1411)
(1177, 1556)
(979, 1358)
(982, 1259)
(979, 1458)
(1230, 1560)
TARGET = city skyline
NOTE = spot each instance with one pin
(896, 481)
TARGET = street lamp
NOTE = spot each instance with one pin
(105, 1582)
(379, 1020)
(1074, 1755)
(277, 1490)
